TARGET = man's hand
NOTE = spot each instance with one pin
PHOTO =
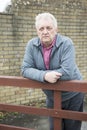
(52, 76)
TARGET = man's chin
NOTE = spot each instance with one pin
(46, 41)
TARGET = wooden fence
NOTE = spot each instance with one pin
(57, 113)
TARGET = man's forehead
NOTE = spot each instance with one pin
(45, 22)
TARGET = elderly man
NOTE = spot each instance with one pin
(50, 57)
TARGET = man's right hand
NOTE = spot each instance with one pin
(52, 76)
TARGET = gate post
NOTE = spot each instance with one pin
(57, 106)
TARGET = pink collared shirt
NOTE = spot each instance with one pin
(47, 52)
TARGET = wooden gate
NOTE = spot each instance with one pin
(57, 113)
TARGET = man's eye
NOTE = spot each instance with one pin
(41, 29)
(49, 28)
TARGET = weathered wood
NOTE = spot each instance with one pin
(57, 113)
(57, 106)
(74, 85)
(8, 127)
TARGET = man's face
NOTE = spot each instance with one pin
(46, 31)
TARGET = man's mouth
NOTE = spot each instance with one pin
(45, 36)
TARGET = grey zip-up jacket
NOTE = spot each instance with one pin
(62, 60)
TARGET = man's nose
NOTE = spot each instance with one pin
(45, 30)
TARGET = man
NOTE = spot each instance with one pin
(50, 57)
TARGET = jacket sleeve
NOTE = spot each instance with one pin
(67, 61)
(28, 68)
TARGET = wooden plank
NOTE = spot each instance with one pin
(72, 115)
(58, 113)
(74, 85)
(8, 127)
(26, 109)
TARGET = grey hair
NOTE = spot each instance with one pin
(46, 16)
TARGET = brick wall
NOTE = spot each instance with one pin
(17, 27)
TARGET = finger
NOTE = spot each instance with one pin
(59, 74)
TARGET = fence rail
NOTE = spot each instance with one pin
(57, 113)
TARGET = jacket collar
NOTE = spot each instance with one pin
(59, 41)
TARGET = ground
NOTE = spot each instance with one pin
(24, 120)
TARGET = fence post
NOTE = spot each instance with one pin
(57, 106)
